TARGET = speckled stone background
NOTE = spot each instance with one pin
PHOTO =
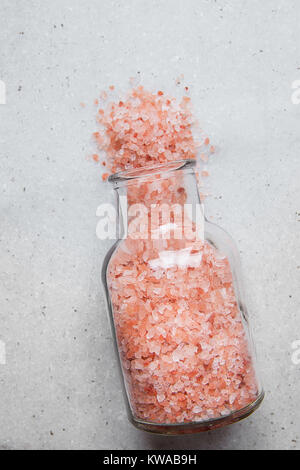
(59, 387)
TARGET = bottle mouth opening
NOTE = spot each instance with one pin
(151, 170)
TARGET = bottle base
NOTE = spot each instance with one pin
(203, 426)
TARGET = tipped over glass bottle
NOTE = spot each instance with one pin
(177, 309)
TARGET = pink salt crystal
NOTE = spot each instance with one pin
(160, 397)
(95, 157)
(197, 409)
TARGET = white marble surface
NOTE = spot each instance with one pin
(60, 388)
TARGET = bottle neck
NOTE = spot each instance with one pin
(160, 207)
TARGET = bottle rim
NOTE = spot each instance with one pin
(149, 171)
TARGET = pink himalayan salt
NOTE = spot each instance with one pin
(180, 335)
(148, 128)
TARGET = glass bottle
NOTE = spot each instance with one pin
(177, 309)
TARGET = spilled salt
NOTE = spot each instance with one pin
(147, 128)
